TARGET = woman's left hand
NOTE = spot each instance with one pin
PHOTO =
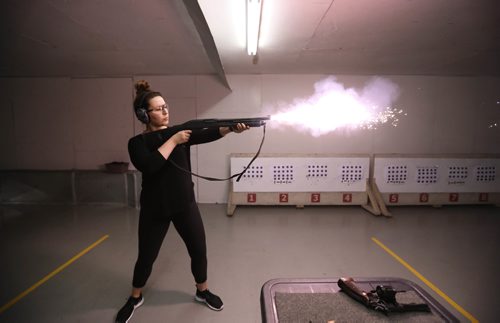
(240, 127)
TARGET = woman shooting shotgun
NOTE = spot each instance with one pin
(167, 195)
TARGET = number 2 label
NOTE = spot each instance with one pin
(283, 197)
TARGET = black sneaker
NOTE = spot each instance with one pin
(126, 312)
(213, 301)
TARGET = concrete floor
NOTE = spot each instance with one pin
(455, 248)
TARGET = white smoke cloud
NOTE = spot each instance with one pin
(332, 106)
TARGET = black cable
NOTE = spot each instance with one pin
(215, 179)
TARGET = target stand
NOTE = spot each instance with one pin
(301, 180)
(435, 180)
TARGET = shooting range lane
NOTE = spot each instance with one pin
(49, 255)
(426, 281)
(52, 274)
(453, 247)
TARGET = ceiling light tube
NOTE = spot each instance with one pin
(254, 9)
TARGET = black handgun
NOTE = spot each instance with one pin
(382, 299)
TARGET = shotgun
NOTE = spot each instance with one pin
(156, 138)
(382, 299)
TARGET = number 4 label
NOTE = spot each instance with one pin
(483, 197)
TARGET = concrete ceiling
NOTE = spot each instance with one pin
(114, 38)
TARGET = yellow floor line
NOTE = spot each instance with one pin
(52, 274)
(427, 282)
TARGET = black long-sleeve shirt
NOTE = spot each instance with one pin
(165, 188)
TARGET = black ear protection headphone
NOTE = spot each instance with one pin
(140, 111)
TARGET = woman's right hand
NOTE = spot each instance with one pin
(181, 137)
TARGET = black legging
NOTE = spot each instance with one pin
(152, 231)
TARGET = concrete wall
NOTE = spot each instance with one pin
(65, 124)
(69, 187)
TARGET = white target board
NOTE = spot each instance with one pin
(434, 175)
(301, 174)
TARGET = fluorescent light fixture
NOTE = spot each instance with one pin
(254, 9)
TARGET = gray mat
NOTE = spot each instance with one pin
(338, 307)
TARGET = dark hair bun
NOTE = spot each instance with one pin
(141, 86)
